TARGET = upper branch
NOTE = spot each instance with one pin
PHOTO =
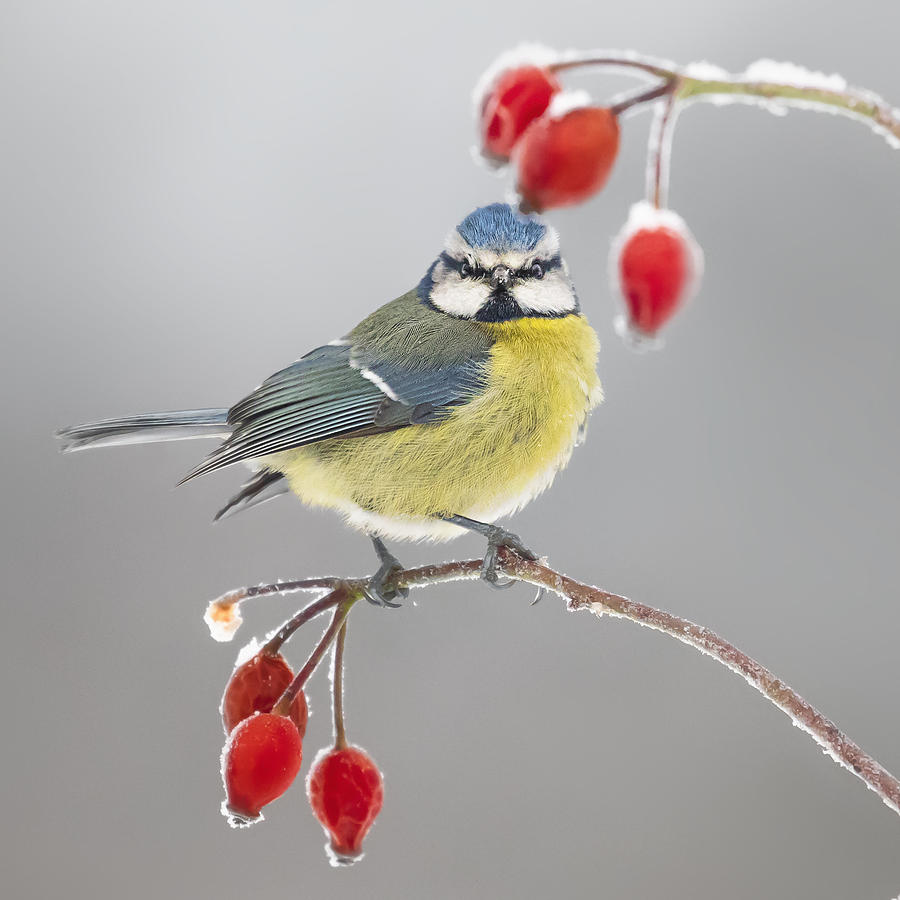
(764, 83)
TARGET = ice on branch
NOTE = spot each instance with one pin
(706, 71)
(769, 70)
(781, 86)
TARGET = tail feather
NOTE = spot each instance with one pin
(146, 429)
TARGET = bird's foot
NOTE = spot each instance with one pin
(498, 537)
(376, 591)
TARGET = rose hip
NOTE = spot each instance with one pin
(260, 761)
(345, 792)
(656, 265)
(517, 98)
(563, 160)
(255, 686)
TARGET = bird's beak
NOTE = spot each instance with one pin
(500, 276)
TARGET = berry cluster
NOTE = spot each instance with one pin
(563, 149)
(264, 712)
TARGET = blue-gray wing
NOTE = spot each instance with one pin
(345, 390)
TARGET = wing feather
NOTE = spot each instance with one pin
(410, 366)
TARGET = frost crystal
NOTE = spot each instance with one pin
(235, 819)
(706, 71)
(247, 652)
(565, 101)
(790, 73)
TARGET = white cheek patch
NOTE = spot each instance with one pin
(550, 295)
(459, 296)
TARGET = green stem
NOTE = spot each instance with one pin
(860, 104)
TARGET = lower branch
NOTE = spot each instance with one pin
(581, 596)
(835, 743)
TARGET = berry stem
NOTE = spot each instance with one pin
(659, 151)
(614, 59)
(273, 645)
(863, 105)
(345, 601)
(654, 93)
(337, 684)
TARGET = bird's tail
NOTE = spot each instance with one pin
(148, 428)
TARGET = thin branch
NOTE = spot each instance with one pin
(654, 93)
(346, 598)
(614, 59)
(337, 687)
(835, 743)
(800, 89)
(273, 645)
(582, 596)
(223, 615)
(660, 151)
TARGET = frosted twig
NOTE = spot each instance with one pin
(581, 596)
(773, 85)
(835, 743)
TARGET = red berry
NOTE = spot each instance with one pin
(260, 761)
(255, 686)
(564, 160)
(516, 99)
(657, 265)
(346, 793)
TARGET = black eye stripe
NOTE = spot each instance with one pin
(466, 269)
(547, 265)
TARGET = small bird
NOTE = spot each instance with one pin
(443, 411)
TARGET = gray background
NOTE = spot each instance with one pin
(194, 193)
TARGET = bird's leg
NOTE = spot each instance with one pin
(496, 537)
(376, 593)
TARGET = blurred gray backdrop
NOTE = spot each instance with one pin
(195, 193)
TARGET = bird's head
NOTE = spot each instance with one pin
(499, 265)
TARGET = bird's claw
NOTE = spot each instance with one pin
(376, 592)
(499, 537)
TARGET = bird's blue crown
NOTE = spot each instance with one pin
(499, 227)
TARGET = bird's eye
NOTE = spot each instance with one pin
(465, 270)
(537, 271)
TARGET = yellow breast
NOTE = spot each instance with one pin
(487, 458)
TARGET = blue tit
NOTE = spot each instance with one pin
(443, 411)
